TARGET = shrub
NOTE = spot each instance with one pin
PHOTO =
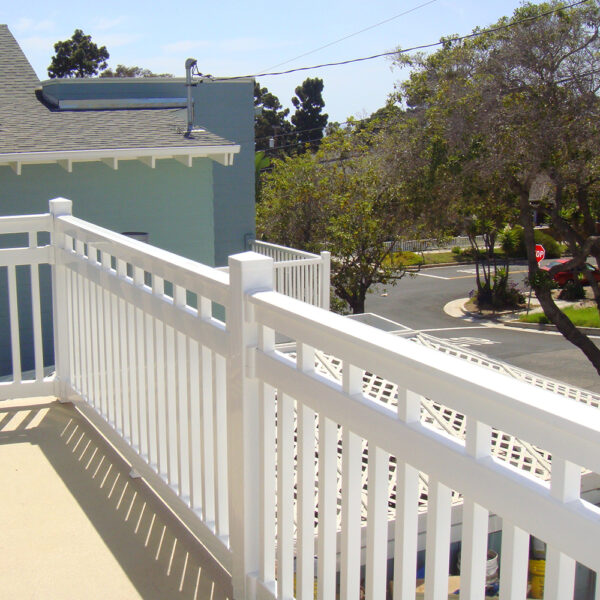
(513, 243)
(573, 290)
(456, 250)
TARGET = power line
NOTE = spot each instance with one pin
(406, 12)
(412, 49)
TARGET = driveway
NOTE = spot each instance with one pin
(418, 303)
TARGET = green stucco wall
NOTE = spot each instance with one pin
(172, 202)
(225, 108)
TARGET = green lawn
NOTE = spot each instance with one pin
(581, 317)
(406, 259)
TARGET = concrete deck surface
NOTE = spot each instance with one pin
(74, 525)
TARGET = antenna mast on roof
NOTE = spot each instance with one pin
(190, 63)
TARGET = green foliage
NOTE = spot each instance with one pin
(123, 71)
(309, 120)
(580, 317)
(456, 250)
(337, 199)
(499, 293)
(77, 57)
(261, 162)
(572, 290)
(270, 121)
(513, 243)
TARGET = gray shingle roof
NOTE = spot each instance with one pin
(29, 125)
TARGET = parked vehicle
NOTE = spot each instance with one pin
(562, 277)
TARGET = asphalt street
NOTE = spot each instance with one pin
(418, 303)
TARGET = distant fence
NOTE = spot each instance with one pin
(301, 275)
(432, 244)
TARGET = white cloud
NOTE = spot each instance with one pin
(103, 24)
(28, 26)
(185, 46)
(116, 40)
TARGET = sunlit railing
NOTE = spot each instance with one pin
(299, 274)
(266, 452)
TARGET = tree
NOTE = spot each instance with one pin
(270, 121)
(123, 71)
(337, 199)
(77, 57)
(519, 105)
(308, 120)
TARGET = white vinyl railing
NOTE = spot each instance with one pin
(260, 447)
(299, 274)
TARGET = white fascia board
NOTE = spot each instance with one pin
(222, 154)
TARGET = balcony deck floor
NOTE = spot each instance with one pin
(75, 525)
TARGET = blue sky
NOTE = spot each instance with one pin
(240, 38)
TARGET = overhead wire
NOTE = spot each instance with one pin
(411, 49)
(402, 14)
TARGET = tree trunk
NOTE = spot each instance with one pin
(543, 293)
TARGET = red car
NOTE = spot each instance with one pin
(562, 277)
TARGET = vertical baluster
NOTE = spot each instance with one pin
(437, 549)
(327, 508)
(171, 406)
(351, 495)
(560, 569)
(194, 432)
(515, 555)
(81, 329)
(158, 290)
(132, 368)
(377, 522)
(88, 341)
(475, 520)
(208, 459)
(305, 571)
(151, 401)
(220, 429)
(117, 363)
(94, 333)
(70, 318)
(266, 407)
(102, 354)
(15, 337)
(108, 340)
(36, 310)
(407, 506)
(285, 496)
(124, 364)
(179, 298)
(267, 480)
(141, 366)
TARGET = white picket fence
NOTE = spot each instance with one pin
(424, 245)
(299, 274)
(247, 437)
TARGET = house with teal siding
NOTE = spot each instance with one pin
(122, 151)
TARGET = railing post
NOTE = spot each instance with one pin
(60, 207)
(325, 279)
(247, 272)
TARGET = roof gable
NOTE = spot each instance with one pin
(35, 131)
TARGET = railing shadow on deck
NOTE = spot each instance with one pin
(154, 551)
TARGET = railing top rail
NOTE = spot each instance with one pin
(22, 224)
(287, 250)
(281, 264)
(165, 264)
(562, 426)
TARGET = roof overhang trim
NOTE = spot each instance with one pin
(221, 154)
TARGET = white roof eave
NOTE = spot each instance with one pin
(222, 154)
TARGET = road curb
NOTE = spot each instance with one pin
(548, 327)
(514, 324)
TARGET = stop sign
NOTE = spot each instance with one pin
(539, 252)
